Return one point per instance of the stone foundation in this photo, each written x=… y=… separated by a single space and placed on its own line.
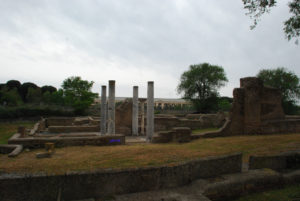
x=73 y=129
x=177 y=134
x=62 y=141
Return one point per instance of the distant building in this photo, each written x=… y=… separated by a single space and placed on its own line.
x=158 y=102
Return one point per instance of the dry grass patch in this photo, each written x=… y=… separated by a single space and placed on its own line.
x=7 y=129
x=89 y=158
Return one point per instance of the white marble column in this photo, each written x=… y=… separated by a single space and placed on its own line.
x=142 y=118
x=135 y=111
x=150 y=111
x=111 y=107
x=103 y=110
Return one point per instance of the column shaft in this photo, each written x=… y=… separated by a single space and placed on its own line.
x=150 y=111
x=111 y=107
x=142 y=118
x=103 y=110
x=135 y=111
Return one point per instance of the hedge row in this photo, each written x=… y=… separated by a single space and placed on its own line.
x=33 y=111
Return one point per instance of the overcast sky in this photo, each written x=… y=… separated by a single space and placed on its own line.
x=135 y=41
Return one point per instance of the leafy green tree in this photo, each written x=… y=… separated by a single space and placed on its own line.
x=224 y=104
x=48 y=88
x=256 y=8
x=24 y=89
x=200 y=84
x=34 y=95
x=10 y=97
x=13 y=84
x=57 y=97
x=287 y=82
x=77 y=93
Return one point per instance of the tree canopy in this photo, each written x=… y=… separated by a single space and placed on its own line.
x=256 y=8
x=286 y=81
x=201 y=83
x=77 y=93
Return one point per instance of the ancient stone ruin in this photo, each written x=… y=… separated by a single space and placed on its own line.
x=257 y=109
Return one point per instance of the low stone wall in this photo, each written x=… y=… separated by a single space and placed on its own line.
x=177 y=134
x=12 y=150
x=33 y=142
x=288 y=160
x=164 y=123
x=73 y=129
x=232 y=187
x=74 y=186
x=281 y=126
x=59 y=121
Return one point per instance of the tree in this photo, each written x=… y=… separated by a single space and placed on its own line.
x=200 y=85
x=13 y=84
x=10 y=97
x=48 y=88
x=34 y=95
x=24 y=89
x=287 y=82
x=57 y=97
x=256 y=8
x=77 y=93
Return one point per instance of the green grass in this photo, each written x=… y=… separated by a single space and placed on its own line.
x=290 y=193
x=7 y=129
x=197 y=131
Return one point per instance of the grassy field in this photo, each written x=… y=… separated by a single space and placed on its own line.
x=7 y=129
x=197 y=131
x=140 y=155
x=291 y=193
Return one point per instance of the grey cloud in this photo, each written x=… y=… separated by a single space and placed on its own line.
x=161 y=36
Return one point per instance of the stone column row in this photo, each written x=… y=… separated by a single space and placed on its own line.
x=135 y=111
x=111 y=109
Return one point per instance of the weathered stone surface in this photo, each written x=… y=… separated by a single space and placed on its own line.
x=150 y=111
x=257 y=110
x=234 y=186
x=161 y=139
x=12 y=150
x=35 y=129
x=111 y=129
x=177 y=134
x=78 y=121
x=72 y=129
x=22 y=131
x=288 y=160
x=135 y=111
x=124 y=118
x=59 y=121
x=181 y=134
x=31 y=142
x=103 y=110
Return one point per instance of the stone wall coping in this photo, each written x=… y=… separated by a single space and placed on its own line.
x=12 y=149
x=57 y=137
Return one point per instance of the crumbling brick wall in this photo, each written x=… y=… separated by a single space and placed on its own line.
x=254 y=107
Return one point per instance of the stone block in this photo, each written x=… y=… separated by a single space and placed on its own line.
x=160 y=139
x=73 y=129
